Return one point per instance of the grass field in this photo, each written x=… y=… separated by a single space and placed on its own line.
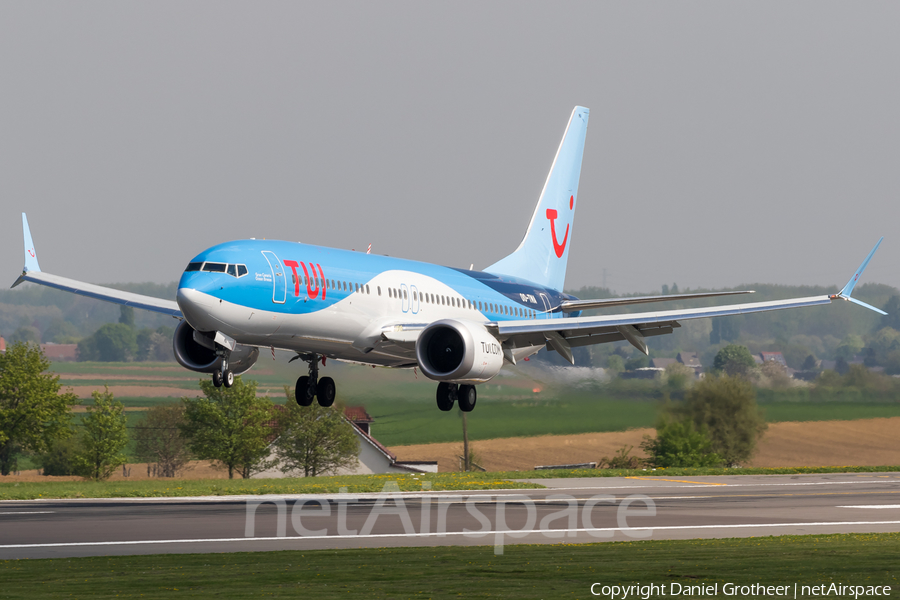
x=173 y=488
x=558 y=571
x=509 y=406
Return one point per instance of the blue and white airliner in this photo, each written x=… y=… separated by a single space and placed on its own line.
x=458 y=326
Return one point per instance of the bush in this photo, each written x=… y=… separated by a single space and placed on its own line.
x=59 y=459
x=726 y=408
x=621 y=460
x=680 y=444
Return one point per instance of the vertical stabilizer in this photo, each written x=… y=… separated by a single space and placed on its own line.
x=544 y=252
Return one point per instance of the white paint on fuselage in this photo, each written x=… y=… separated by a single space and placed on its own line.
x=332 y=330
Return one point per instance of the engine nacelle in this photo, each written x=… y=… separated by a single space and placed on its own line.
x=195 y=356
x=458 y=351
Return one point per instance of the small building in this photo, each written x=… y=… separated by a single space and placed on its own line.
x=60 y=352
x=2 y=344
x=776 y=356
x=690 y=359
x=662 y=363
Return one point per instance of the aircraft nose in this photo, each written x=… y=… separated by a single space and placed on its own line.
x=196 y=307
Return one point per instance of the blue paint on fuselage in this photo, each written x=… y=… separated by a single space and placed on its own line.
x=255 y=289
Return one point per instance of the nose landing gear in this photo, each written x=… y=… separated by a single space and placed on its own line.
x=224 y=376
x=310 y=387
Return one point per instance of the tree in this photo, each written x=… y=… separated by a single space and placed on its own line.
x=228 y=425
x=113 y=342
x=615 y=364
x=724 y=330
x=154 y=345
x=159 y=439
x=126 y=316
x=892 y=308
x=314 y=440
x=726 y=407
x=734 y=359
x=680 y=444
x=27 y=335
x=104 y=438
x=61 y=332
x=33 y=414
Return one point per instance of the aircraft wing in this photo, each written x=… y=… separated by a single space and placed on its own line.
x=32 y=272
x=564 y=334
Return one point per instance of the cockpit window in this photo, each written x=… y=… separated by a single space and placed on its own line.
x=214 y=267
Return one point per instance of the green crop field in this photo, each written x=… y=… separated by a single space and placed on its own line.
x=516 y=405
x=525 y=571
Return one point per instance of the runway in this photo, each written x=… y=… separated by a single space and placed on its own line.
x=569 y=510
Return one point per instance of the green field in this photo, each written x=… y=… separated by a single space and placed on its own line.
x=527 y=571
x=171 y=488
x=405 y=412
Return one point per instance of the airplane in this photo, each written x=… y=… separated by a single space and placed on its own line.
x=458 y=326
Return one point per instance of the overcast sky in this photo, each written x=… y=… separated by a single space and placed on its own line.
x=728 y=143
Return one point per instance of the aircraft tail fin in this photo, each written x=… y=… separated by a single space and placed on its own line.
x=544 y=252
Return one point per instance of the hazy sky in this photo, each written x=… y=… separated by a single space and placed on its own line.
x=728 y=142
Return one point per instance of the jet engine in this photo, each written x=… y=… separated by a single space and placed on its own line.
x=458 y=351
x=200 y=355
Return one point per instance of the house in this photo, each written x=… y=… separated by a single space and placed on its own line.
x=776 y=356
x=662 y=363
x=689 y=359
x=373 y=458
x=60 y=352
x=2 y=344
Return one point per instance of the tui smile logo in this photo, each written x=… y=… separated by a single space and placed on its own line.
x=559 y=248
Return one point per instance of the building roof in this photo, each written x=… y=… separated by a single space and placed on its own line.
x=357 y=414
x=776 y=356
x=662 y=363
x=689 y=359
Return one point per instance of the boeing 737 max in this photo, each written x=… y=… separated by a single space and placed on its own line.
x=458 y=326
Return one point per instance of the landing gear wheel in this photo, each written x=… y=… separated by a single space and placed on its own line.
x=446 y=395
x=228 y=378
x=325 y=391
x=467 y=397
x=217 y=378
x=301 y=392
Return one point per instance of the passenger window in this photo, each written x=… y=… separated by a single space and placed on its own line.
x=194 y=266
x=379 y=290
x=367 y=289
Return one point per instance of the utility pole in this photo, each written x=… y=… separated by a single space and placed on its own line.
x=465 y=445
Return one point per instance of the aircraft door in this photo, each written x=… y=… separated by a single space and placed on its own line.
x=414 y=299
x=279 y=285
x=405 y=297
x=546 y=300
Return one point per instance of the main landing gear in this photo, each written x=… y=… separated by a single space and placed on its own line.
x=450 y=393
x=310 y=387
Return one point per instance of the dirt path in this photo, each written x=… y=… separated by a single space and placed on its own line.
x=866 y=442
x=131 y=391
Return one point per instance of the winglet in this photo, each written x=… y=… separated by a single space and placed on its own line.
x=31 y=261
x=844 y=294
